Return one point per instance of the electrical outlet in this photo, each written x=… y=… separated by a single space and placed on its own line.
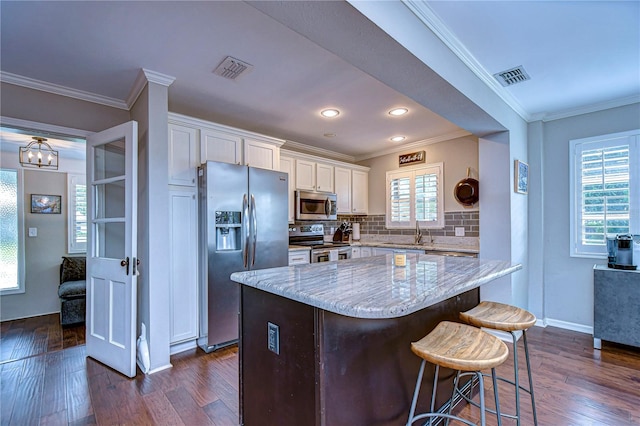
x=273 y=336
x=459 y=231
x=33 y=232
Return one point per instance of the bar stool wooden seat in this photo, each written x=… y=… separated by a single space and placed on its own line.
x=463 y=348
x=499 y=316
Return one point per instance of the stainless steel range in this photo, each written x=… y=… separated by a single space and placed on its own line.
x=313 y=236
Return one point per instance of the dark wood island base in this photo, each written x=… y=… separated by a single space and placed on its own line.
x=333 y=369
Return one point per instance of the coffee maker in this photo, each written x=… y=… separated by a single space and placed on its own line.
x=620 y=251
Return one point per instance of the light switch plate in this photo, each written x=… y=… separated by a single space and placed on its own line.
x=33 y=232
x=459 y=231
x=273 y=336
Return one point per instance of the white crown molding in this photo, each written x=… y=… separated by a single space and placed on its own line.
x=405 y=147
x=587 y=109
x=147 y=76
x=300 y=147
x=435 y=24
x=56 y=89
x=44 y=127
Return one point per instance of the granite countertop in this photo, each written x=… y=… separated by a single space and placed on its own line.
x=373 y=287
x=299 y=248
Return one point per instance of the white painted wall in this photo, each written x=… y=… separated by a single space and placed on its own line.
x=151 y=112
x=568 y=281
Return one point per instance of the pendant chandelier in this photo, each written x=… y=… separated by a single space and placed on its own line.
x=39 y=154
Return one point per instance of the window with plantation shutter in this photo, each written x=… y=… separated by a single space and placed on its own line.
x=77 y=213
x=415 y=195
x=604 y=191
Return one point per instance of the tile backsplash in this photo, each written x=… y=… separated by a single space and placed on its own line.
x=375 y=225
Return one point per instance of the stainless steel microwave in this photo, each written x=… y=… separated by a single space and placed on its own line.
x=316 y=206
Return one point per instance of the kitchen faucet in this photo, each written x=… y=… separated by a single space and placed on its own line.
x=418 y=236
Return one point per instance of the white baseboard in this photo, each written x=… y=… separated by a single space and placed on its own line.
x=580 y=328
x=183 y=346
x=29 y=316
x=161 y=368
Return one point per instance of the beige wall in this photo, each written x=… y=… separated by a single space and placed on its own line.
x=457 y=155
x=42 y=253
x=42 y=107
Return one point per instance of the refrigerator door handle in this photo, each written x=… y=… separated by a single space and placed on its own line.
x=245 y=229
x=254 y=219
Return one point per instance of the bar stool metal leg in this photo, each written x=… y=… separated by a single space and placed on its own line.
x=526 y=354
x=516 y=378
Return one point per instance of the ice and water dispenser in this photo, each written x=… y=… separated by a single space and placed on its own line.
x=228 y=231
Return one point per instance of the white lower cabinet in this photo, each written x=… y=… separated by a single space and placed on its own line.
x=366 y=252
x=183 y=268
x=355 y=253
x=298 y=257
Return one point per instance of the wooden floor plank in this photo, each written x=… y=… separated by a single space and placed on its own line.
x=161 y=410
x=54 y=393
x=575 y=384
x=78 y=399
x=187 y=409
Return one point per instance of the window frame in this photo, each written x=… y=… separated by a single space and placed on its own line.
x=576 y=147
x=73 y=180
x=412 y=172
x=20 y=287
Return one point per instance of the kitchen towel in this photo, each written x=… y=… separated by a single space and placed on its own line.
x=355 y=235
x=333 y=255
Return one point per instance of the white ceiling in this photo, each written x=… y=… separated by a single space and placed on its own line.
x=580 y=55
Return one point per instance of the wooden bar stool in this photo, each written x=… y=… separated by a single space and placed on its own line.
x=463 y=348
x=498 y=316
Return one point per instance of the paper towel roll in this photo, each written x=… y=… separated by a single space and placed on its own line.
x=355 y=235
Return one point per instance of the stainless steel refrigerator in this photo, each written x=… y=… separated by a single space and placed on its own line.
x=243 y=226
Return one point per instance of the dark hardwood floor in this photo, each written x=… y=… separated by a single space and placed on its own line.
x=55 y=384
x=35 y=336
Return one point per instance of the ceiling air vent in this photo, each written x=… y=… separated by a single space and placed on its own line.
x=232 y=68
x=513 y=76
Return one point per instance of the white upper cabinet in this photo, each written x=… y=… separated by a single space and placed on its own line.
x=349 y=181
x=343 y=189
x=324 y=177
x=229 y=145
x=182 y=155
x=288 y=165
x=359 y=192
x=305 y=175
x=261 y=154
x=313 y=176
x=220 y=146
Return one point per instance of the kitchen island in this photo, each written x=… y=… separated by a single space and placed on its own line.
x=329 y=343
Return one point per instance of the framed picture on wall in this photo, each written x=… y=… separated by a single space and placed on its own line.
x=521 y=177
x=46 y=204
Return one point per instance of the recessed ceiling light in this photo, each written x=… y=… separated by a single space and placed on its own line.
x=398 y=111
x=330 y=113
x=329 y=135
x=397 y=138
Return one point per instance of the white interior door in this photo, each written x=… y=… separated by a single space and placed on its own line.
x=112 y=159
